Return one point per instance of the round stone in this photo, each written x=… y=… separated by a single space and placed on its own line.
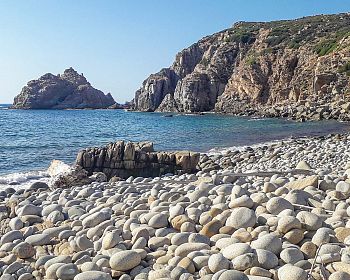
x=241 y=217
x=268 y=242
x=288 y=223
x=235 y=250
x=93 y=275
x=39 y=239
x=339 y=275
x=125 y=260
x=24 y=250
x=290 y=272
x=159 y=220
x=309 y=221
x=277 y=204
x=233 y=275
x=67 y=271
x=266 y=259
x=291 y=255
x=218 y=262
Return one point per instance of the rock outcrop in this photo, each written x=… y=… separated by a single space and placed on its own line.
x=67 y=91
x=125 y=159
x=295 y=68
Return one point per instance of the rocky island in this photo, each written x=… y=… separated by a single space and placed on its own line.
x=69 y=90
x=289 y=68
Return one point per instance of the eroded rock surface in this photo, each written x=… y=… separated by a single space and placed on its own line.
x=69 y=90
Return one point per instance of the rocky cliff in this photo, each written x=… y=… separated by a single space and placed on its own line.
x=296 y=68
x=67 y=91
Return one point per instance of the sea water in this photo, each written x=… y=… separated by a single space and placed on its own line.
x=31 y=139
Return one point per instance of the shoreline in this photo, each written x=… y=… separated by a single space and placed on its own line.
x=25 y=178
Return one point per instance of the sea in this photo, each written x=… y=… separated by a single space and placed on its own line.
x=31 y=139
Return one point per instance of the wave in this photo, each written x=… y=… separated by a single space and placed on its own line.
x=22 y=180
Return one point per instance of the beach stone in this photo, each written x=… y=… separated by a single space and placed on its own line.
x=11 y=236
x=341 y=233
x=6 y=276
x=309 y=249
x=211 y=228
x=218 y=262
x=291 y=255
x=39 y=185
x=343 y=187
x=290 y=272
x=110 y=240
x=178 y=221
x=303 y=165
x=339 y=266
x=294 y=236
x=258 y=271
x=243 y=201
x=288 y=223
x=266 y=259
x=158 y=221
x=187 y=264
x=84 y=243
x=93 y=275
x=16 y=223
x=322 y=236
x=268 y=242
x=339 y=275
x=235 y=250
x=30 y=209
x=51 y=208
x=184 y=249
x=94 y=219
x=26 y=276
x=303 y=183
x=13 y=267
x=241 y=217
x=89 y=266
x=233 y=275
x=67 y=271
x=245 y=261
x=309 y=221
x=276 y=205
x=51 y=270
x=24 y=250
x=125 y=260
x=38 y=239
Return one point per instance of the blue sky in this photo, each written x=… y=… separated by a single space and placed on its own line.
x=118 y=43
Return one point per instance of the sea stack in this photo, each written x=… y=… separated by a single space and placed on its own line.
x=69 y=90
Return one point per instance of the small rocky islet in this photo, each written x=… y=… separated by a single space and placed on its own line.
x=278 y=211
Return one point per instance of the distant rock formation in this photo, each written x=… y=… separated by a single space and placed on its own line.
x=300 y=67
x=124 y=159
x=67 y=91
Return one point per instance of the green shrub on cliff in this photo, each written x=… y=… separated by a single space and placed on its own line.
x=326 y=47
x=345 y=68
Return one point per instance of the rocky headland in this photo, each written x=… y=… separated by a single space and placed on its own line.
x=278 y=211
x=298 y=69
x=69 y=90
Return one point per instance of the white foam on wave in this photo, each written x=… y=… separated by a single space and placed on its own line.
x=22 y=180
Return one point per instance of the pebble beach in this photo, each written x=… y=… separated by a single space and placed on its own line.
x=277 y=211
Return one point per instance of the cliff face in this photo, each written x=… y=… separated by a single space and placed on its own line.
x=67 y=91
x=253 y=66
